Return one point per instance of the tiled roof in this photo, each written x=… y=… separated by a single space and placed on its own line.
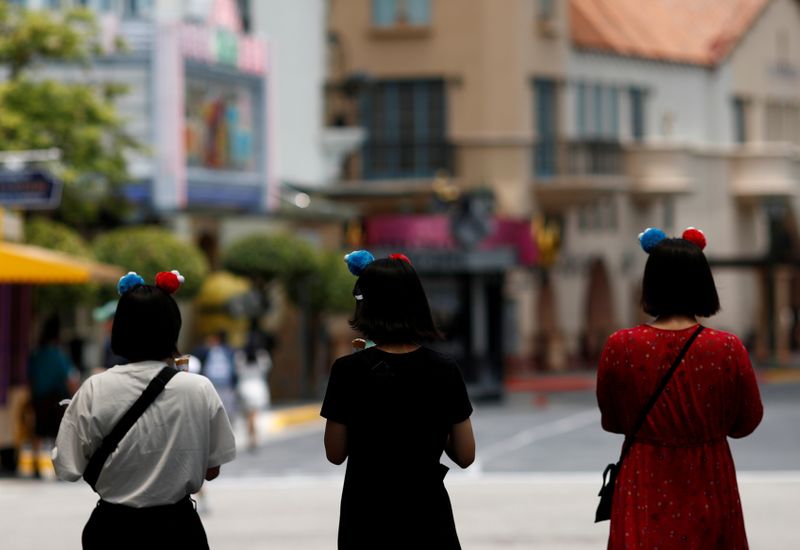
x=700 y=32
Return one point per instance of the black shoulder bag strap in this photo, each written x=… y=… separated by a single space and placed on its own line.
x=110 y=442
x=610 y=473
x=659 y=390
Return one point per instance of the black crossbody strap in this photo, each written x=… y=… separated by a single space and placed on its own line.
x=659 y=390
x=110 y=442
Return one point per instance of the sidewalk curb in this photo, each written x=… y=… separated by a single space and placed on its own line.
x=294 y=416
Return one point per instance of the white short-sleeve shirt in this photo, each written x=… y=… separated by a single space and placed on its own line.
x=165 y=454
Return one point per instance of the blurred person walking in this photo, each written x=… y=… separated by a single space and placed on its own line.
x=676 y=482
x=253 y=364
x=142 y=434
x=218 y=364
x=52 y=377
x=391 y=411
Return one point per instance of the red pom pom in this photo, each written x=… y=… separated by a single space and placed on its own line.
x=695 y=236
x=400 y=257
x=168 y=282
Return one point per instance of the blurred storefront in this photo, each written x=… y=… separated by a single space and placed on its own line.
x=21 y=268
x=463 y=258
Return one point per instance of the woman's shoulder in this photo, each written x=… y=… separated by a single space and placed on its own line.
x=723 y=338
x=624 y=335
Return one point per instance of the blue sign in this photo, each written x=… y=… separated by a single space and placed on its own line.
x=30 y=189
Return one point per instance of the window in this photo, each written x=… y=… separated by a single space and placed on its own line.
x=597 y=112
x=783 y=122
x=388 y=13
x=545 y=110
x=546 y=9
x=739 y=120
x=244 y=14
x=406 y=128
x=637 y=113
x=137 y=9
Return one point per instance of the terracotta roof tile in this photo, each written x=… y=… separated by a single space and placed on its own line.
x=700 y=32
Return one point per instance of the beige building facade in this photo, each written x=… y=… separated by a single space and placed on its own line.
x=592 y=139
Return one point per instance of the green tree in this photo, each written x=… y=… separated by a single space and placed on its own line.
x=79 y=118
x=148 y=250
x=264 y=257
x=312 y=278
x=56 y=236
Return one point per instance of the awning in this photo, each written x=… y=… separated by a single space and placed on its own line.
x=32 y=265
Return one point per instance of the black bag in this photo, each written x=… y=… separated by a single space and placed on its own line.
x=606 y=493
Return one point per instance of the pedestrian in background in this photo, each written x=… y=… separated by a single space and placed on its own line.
x=676 y=487
x=391 y=411
x=51 y=377
x=253 y=364
x=219 y=365
x=173 y=444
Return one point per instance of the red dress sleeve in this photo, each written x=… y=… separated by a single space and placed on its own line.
x=607 y=384
x=748 y=399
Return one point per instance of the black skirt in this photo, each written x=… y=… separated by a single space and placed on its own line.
x=396 y=511
x=154 y=528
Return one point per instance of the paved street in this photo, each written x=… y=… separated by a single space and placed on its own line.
x=563 y=435
x=534 y=485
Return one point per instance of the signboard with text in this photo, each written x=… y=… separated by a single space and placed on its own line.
x=29 y=189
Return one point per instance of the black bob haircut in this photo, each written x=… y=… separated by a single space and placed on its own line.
x=146 y=325
x=678 y=281
x=393 y=308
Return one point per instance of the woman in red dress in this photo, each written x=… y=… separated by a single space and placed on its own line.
x=676 y=488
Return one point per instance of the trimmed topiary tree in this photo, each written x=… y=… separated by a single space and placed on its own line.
x=56 y=236
x=148 y=250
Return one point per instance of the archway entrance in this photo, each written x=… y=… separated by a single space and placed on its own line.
x=599 y=314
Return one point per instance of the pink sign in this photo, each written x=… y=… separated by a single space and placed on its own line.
x=432 y=231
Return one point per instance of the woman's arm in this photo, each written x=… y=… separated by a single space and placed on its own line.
x=460 y=445
x=335 y=441
x=608 y=389
x=750 y=410
x=212 y=473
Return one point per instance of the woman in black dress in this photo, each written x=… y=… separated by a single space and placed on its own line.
x=392 y=410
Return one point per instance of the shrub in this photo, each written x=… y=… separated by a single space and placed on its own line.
x=148 y=250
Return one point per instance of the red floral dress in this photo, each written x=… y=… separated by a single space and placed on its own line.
x=677 y=486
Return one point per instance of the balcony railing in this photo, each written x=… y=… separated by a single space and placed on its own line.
x=578 y=158
x=406 y=159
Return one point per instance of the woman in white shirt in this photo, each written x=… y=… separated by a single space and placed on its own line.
x=181 y=439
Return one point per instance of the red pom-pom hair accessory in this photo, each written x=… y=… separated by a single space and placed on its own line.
x=694 y=236
x=399 y=256
x=169 y=281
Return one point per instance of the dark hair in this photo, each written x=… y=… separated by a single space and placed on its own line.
x=678 y=281
x=393 y=308
x=146 y=325
x=50 y=332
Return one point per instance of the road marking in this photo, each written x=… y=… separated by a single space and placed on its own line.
x=537 y=433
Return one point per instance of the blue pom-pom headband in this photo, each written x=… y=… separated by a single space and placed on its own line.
x=652 y=237
x=358 y=260
x=129 y=282
x=168 y=281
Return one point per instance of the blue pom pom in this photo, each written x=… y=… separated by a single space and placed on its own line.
x=358 y=260
x=127 y=282
x=650 y=238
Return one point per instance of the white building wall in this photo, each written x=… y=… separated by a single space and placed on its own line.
x=296 y=34
x=684 y=103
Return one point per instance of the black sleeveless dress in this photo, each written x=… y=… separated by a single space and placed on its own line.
x=398 y=409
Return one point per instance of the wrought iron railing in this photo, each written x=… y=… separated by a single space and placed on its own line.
x=578 y=158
